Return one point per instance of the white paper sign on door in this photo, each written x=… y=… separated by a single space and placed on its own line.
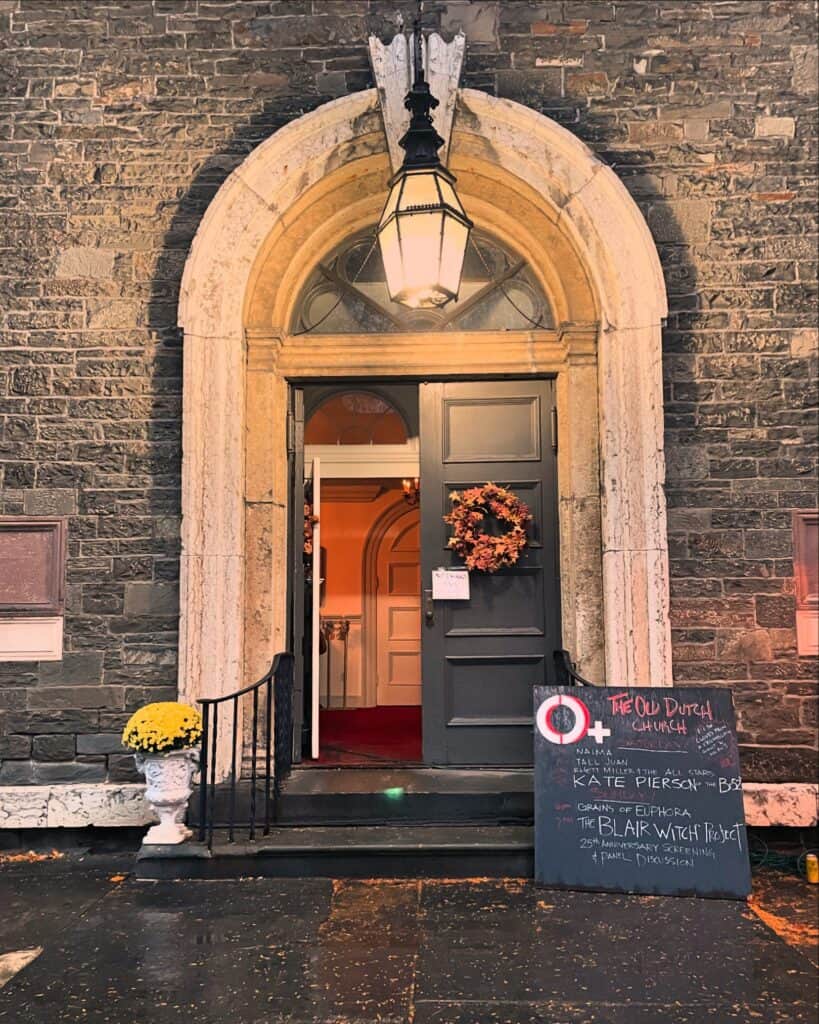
x=450 y=585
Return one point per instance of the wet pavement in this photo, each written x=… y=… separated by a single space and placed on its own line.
x=316 y=951
x=790 y=907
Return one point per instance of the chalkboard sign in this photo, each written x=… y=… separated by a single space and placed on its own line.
x=638 y=790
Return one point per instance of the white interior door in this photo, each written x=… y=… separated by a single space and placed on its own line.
x=398 y=619
x=315 y=663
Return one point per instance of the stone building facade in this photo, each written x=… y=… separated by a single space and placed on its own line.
x=120 y=121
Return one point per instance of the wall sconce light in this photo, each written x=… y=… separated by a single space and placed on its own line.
x=412 y=491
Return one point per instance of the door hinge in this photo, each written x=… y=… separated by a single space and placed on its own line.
x=554 y=429
x=291 y=433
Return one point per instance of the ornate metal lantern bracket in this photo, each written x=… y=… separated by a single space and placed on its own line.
x=394 y=69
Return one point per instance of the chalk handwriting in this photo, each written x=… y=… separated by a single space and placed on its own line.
x=658 y=807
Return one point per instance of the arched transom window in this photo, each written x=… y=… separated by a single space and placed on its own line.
x=355 y=417
x=347 y=293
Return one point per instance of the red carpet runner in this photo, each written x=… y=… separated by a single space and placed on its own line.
x=366 y=736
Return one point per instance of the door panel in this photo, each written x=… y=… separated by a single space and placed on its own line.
x=404 y=623
x=405 y=671
x=482 y=657
x=490 y=430
x=404 y=578
x=503 y=604
x=514 y=676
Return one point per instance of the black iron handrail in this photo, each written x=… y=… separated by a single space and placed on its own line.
x=567 y=674
x=276 y=737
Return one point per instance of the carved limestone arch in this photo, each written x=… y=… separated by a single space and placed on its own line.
x=534 y=184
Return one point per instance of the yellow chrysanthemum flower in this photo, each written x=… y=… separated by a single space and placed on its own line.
x=162 y=727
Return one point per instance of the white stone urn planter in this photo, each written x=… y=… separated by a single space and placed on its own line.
x=169 y=784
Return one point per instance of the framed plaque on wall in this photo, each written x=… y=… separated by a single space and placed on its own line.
x=32 y=587
x=32 y=566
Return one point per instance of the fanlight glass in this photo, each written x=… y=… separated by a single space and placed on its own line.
x=423 y=234
x=347 y=293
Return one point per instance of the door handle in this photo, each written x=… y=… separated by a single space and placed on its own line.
x=429 y=607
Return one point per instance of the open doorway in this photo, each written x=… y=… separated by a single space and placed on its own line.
x=363 y=574
x=480 y=652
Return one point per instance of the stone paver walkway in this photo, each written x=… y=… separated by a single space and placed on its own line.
x=318 y=951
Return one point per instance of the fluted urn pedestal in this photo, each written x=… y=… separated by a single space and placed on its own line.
x=169 y=784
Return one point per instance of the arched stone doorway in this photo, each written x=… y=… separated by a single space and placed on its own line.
x=528 y=181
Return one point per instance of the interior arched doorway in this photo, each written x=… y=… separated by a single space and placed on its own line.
x=530 y=182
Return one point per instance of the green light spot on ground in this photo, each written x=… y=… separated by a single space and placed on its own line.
x=394 y=792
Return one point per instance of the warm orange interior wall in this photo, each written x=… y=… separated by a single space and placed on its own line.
x=345 y=526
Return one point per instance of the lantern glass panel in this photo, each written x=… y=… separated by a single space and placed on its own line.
x=391 y=255
x=419 y=190
x=456 y=236
x=420 y=235
x=392 y=201
x=449 y=195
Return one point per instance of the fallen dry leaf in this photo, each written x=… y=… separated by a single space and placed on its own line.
x=795 y=933
x=29 y=857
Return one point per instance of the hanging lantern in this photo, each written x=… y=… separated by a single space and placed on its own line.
x=423 y=231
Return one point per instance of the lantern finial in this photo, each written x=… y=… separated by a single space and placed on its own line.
x=421 y=142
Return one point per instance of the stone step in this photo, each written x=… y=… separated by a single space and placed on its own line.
x=358 y=851
x=344 y=796
x=394 y=795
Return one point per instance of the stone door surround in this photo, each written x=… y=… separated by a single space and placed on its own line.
x=539 y=188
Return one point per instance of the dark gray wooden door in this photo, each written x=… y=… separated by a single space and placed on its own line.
x=482 y=657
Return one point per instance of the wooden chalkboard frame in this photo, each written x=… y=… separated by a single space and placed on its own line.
x=638 y=790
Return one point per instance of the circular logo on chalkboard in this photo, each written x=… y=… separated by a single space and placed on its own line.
x=543 y=718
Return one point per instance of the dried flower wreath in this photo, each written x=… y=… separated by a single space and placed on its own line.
x=481 y=550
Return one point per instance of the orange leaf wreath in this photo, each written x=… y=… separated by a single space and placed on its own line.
x=481 y=550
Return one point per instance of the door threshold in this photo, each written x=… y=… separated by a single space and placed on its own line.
x=412 y=765
x=366 y=766
x=411 y=778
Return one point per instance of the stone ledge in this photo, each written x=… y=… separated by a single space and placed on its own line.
x=74 y=806
x=792 y=804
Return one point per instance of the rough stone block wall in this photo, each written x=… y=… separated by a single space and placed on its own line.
x=119 y=121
